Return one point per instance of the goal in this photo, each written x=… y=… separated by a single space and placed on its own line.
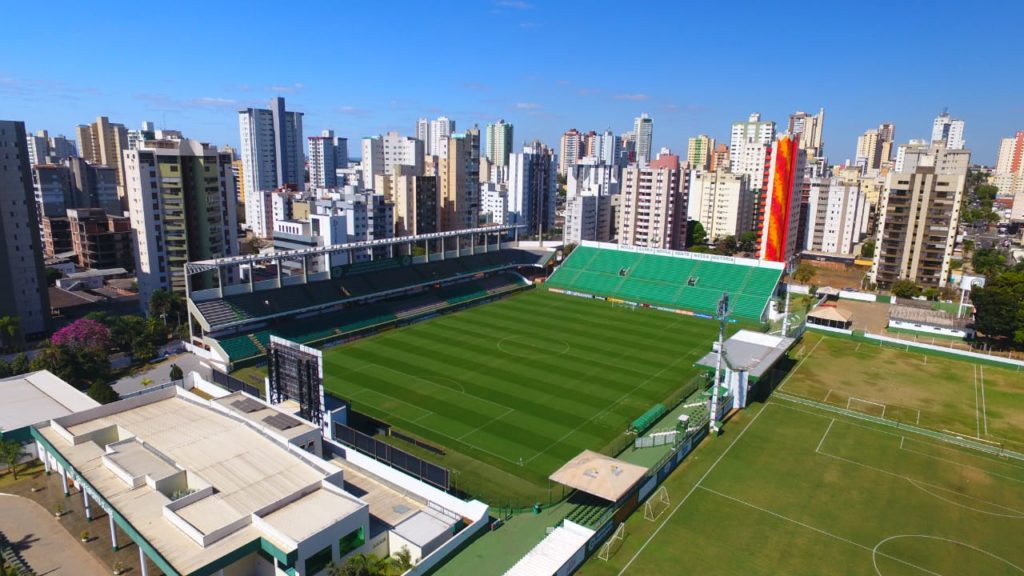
x=656 y=504
x=614 y=543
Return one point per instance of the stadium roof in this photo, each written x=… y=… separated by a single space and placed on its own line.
x=553 y=552
x=751 y=352
x=599 y=475
x=37 y=397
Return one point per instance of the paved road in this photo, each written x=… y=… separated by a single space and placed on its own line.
x=42 y=541
x=160 y=373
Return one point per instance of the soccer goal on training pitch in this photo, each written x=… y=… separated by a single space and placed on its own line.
x=656 y=504
x=613 y=544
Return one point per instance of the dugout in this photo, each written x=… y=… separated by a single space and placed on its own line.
x=751 y=360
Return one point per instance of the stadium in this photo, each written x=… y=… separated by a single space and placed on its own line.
x=464 y=350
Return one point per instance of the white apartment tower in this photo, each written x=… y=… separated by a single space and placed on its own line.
x=654 y=204
x=381 y=154
x=532 y=188
x=949 y=130
x=434 y=134
x=837 y=214
x=721 y=202
x=327 y=154
x=752 y=131
x=499 y=142
x=272 y=154
x=643 y=127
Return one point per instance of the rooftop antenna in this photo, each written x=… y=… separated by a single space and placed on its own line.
x=723 y=314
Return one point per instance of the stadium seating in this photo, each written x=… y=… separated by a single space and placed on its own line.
x=683 y=283
x=588 y=512
x=320 y=327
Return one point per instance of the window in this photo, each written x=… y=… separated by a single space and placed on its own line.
x=318 y=561
x=351 y=541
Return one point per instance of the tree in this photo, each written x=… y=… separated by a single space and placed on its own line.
x=726 y=245
x=52 y=275
x=102 y=392
x=143 y=349
x=695 y=234
x=77 y=366
x=989 y=261
x=10 y=452
x=804 y=273
x=19 y=364
x=124 y=330
x=867 y=250
x=931 y=294
x=176 y=372
x=82 y=333
x=10 y=331
x=748 y=241
x=160 y=303
x=968 y=247
x=999 y=307
x=905 y=289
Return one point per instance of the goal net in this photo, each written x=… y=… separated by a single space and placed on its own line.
x=656 y=504
x=613 y=544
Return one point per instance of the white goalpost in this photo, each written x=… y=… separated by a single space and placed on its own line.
x=656 y=504
x=614 y=543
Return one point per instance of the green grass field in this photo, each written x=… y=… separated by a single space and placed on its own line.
x=514 y=389
x=947 y=395
x=789 y=489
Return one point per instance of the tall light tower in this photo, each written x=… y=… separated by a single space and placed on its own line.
x=723 y=314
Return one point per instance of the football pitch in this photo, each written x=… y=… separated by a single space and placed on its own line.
x=791 y=489
x=972 y=400
x=513 y=389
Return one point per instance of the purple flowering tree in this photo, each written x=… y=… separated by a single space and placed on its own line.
x=81 y=334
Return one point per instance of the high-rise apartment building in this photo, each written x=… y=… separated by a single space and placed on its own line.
x=874 y=147
x=592 y=202
x=382 y=153
x=949 y=130
x=182 y=209
x=569 y=150
x=459 y=181
x=643 y=127
x=532 y=188
x=721 y=202
x=698 y=152
x=808 y=128
x=327 y=154
x=23 y=287
x=779 y=207
x=654 y=204
x=609 y=148
x=719 y=158
x=1008 y=175
x=918 y=216
x=499 y=143
x=417 y=210
x=52 y=186
x=434 y=134
x=837 y=215
x=272 y=154
x=100 y=240
x=103 y=142
x=887 y=138
x=752 y=131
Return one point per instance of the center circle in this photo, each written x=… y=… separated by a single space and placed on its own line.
x=969 y=549
x=532 y=346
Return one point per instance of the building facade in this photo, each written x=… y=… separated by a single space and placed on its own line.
x=698 y=152
x=643 y=127
x=182 y=209
x=779 y=207
x=272 y=154
x=104 y=143
x=382 y=153
x=809 y=128
x=949 y=130
x=570 y=147
x=499 y=143
x=837 y=215
x=918 y=217
x=752 y=131
x=327 y=154
x=721 y=202
x=532 y=189
x=654 y=204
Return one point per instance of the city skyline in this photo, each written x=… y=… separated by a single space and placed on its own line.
x=359 y=97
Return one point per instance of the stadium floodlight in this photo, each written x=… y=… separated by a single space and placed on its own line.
x=723 y=314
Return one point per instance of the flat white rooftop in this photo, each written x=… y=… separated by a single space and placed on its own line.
x=37 y=397
x=231 y=483
x=552 y=552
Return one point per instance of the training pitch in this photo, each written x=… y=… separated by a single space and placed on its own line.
x=513 y=389
x=790 y=489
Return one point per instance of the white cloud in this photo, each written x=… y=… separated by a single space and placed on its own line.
x=635 y=97
x=528 y=106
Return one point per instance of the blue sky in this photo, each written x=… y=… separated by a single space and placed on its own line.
x=362 y=68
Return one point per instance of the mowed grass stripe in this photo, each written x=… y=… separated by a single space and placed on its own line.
x=448 y=381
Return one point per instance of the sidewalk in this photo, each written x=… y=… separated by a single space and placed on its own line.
x=42 y=542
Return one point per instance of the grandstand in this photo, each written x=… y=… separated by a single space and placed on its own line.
x=679 y=281
x=233 y=322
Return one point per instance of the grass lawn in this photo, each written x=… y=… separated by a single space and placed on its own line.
x=957 y=396
x=789 y=489
x=514 y=389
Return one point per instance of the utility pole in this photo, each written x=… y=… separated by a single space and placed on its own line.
x=723 y=313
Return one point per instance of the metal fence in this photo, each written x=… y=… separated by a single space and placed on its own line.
x=234 y=384
x=395 y=457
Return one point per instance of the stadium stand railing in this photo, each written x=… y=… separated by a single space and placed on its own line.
x=322 y=328
x=668 y=281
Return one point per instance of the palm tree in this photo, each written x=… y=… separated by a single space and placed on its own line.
x=398 y=563
x=10 y=327
x=10 y=452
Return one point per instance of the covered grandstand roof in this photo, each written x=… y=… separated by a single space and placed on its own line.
x=552 y=552
x=599 y=475
x=830 y=314
x=752 y=352
x=669 y=278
